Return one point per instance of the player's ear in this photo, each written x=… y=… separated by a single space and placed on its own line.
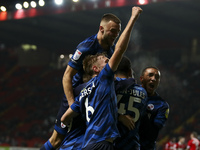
x=130 y=74
x=141 y=79
x=95 y=69
x=101 y=28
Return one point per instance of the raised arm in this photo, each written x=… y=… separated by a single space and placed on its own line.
x=123 y=41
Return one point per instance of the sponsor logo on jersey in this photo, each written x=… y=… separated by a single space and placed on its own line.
x=62 y=125
x=77 y=55
x=167 y=113
x=150 y=107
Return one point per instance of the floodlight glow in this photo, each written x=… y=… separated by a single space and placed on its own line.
x=62 y=56
x=2 y=8
x=58 y=2
x=143 y=2
x=41 y=3
x=26 y=4
x=18 y=6
x=33 y=4
x=75 y=1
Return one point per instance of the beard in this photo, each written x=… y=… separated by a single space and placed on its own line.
x=108 y=40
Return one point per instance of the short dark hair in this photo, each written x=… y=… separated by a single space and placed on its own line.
x=144 y=70
x=124 y=66
x=107 y=17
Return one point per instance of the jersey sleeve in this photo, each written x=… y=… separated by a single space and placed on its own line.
x=76 y=106
x=77 y=58
x=83 y=49
x=162 y=115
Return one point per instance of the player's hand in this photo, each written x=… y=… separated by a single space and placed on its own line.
x=136 y=11
x=127 y=121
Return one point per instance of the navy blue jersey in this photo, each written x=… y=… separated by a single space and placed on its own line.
x=131 y=101
x=156 y=115
x=98 y=104
x=74 y=137
x=76 y=129
x=89 y=46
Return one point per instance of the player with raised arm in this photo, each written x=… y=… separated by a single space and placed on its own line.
x=103 y=41
x=97 y=101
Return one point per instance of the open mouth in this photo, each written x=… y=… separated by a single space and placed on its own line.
x=151 y=85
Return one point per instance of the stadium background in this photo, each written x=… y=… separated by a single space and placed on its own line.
x=35 y=45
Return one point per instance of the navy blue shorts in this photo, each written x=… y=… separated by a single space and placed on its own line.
x=104 y=145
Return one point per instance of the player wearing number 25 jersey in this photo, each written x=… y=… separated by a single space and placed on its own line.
x=131 y=102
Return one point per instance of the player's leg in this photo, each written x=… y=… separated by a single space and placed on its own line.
x=54 y=141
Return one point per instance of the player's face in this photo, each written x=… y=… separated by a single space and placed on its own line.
x=150 y=80
x=182 y=140
x=111 y=32
x=101 y=62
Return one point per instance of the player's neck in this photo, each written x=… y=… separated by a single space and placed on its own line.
x=121 y=76
x=152 y=94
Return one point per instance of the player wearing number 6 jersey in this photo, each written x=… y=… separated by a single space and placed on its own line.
x=97 y=101
x=103 y=41
x=76 y=129
x=131 y=105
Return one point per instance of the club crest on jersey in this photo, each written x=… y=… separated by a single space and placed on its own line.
x=62 y=125
x=150 y=107
x=77 y=55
